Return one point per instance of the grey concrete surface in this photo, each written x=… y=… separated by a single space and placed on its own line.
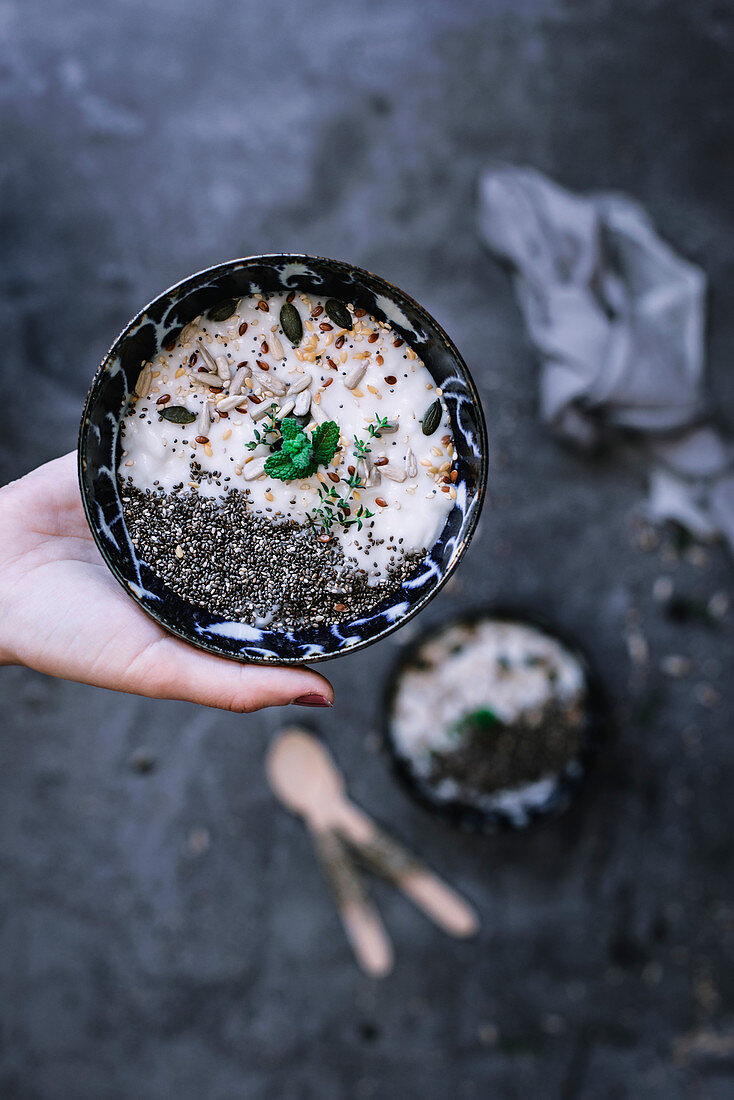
x=168 y=934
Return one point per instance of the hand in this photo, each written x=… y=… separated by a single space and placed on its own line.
x=62 y=612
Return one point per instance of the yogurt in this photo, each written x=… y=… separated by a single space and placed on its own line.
x=364 y=378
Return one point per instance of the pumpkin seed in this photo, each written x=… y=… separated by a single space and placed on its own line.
x=291 y=323
x=432 y=418
x=222 y=311
x=177 y=414
x=338 y=313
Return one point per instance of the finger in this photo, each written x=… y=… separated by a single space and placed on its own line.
x=170 y=669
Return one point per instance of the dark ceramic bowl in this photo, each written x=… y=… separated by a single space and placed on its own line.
x=160 y=323
x=565 y=783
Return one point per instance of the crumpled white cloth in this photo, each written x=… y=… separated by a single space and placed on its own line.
x=618 y=321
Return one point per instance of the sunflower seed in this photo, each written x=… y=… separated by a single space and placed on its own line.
x=208 y=358
x=338 y=313
x=254 y=469
x=143 y=384
x=177 y=414
x=287 y=406
x=432 y=418
x=238 y=381
x=207 y=379
x=393 y=472
x=204 y=422
x=276 y=347
x=268 y=381
x=261 y=410
x=302 y=403
x=368 y=472
x=411 y=466
x=301 y=382
x=223 y=310
x=318 y=414
x=223 y=369
x=188 y=331
x=391 y=426
x=355 y=376
x=226 y=404
x=291 y=323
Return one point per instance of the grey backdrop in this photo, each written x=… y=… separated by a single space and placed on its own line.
x=168 y=934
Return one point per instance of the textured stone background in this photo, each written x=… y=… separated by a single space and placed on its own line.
x=168 y=934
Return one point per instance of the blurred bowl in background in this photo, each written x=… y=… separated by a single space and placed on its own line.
x=491 y=719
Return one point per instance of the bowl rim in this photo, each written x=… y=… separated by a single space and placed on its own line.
x=462 y=815
x=483 y=444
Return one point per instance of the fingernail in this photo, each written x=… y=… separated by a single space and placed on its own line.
x=313 y=699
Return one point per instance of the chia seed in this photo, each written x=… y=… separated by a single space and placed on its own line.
x=275 y=573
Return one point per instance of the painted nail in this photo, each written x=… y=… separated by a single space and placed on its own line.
x=313 y=699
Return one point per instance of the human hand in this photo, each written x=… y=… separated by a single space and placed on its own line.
x=63 y=613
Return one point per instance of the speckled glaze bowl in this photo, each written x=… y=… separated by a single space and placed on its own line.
x=566 y=784
x=159 y=324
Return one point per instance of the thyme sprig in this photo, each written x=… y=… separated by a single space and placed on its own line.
x=333 y=508
x=270 y=427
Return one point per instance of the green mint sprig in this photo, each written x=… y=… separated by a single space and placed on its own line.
x=300 y=454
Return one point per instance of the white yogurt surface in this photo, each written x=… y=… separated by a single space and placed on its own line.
x=409 y=513
x=502 y=666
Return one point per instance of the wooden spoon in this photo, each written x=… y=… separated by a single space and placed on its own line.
x=305 y=777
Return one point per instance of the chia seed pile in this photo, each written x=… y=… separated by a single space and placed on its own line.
x=534 y=745
x=216 y=553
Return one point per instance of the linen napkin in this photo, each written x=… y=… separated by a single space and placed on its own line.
x=617 y=319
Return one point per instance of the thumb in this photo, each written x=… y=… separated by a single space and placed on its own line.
x=171 y=669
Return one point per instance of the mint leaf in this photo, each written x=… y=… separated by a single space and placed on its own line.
x=299 y=455
x=290 y=428
x=280 y=466
x=325 y=440
x=295 y=457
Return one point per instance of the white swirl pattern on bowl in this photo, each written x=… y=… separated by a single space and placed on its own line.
x=159 y=322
